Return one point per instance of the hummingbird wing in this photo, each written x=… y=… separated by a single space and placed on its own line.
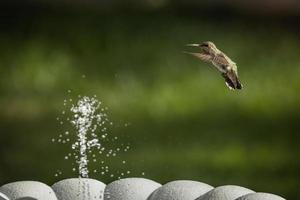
x=221 y=60
x=202 y=56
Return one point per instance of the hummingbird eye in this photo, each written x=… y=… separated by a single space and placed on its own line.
x=204 y=45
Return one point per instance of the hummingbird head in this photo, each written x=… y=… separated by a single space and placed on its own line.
x=208 y=47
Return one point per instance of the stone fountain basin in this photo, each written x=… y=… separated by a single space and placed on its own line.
x=127 y=189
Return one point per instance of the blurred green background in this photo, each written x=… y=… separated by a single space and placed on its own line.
x=183 y=123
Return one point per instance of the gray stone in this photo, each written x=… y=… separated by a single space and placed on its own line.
x=260 y=196
x=180 y=190
x=130 y=189
x=27 y=198
x=78 y=189
x=3 y=197
x=31 y=189
x=226 y=192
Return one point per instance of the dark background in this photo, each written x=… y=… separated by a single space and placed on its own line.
x=175 y=111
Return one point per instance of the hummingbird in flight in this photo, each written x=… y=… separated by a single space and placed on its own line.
x=228 y=69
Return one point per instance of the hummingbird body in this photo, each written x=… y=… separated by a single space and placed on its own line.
x=228 y=69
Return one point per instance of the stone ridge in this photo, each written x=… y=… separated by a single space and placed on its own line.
x=127 y=189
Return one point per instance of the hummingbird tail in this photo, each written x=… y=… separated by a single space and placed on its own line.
x=239 y=85
x=229 y=84
x=232 y=85
x=232 y=81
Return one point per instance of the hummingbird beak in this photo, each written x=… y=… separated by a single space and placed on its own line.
x=193 y=45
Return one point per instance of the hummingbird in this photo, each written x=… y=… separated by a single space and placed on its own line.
x=228 y=69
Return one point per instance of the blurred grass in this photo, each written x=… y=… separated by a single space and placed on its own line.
x=183 y=122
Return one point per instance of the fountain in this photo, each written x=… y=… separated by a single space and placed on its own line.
x=90 y=122
x=86 y=120
x=91 y=125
